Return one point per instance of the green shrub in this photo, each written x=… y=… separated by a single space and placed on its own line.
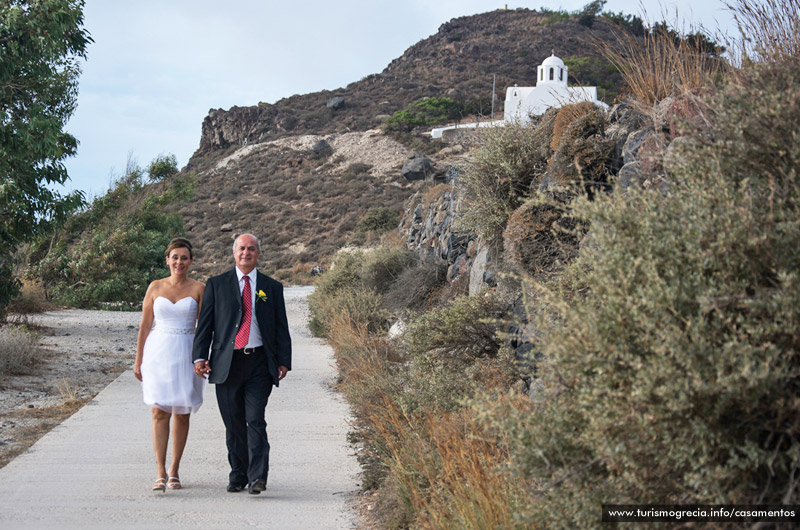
x=379 y=220
x=107 y=255
x=465 y=329
x=505 y=166
x=359 y=306
x=162 y=166
x=358 y=277
x=672 y=341
x=425 y=111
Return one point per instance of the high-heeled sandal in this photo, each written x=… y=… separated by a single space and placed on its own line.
x=160 y=484
x=174 y=483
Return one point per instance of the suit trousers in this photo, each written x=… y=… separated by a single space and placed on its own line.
x=242 y=400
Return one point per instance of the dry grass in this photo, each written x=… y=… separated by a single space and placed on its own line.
x=19 y=350
x=445 y=470
x=769 y=30
x=70 y=394
x=31 y=300
x=450 y=470
x=655 y=66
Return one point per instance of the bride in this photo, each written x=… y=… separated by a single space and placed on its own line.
x=164 y=358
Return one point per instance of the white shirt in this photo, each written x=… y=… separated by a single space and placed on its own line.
x=255 y=339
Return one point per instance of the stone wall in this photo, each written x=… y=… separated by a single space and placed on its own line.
x=428 y=225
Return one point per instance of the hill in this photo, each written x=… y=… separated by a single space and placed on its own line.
x=256 y=169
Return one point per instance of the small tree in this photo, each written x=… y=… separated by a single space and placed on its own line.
x=162 y=166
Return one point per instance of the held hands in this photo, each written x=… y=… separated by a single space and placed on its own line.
x=202 y=369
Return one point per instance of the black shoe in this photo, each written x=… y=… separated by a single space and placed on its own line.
x=234 y=487
x=257 y=487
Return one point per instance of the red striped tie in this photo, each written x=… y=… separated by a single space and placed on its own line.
x=243 y=335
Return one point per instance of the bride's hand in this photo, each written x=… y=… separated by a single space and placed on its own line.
x=137 y=371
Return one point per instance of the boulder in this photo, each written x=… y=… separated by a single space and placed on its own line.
x=480 y=271
x=335 y=103
x=321 y=147
x=227 y=227
x=630 y=151
x=631 y=174
x=627 y=117
x=417 y=168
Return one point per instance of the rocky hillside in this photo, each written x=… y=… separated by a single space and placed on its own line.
x=302 y=172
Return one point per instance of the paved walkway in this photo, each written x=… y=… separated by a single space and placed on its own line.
x=95 y=470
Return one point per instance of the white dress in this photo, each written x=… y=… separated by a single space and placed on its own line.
x=168 y=379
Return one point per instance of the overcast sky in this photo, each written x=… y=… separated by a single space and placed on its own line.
x=156 y=67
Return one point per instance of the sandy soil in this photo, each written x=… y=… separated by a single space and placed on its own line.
x=84 y=352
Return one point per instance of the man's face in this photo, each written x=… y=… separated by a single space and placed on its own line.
x=246 y=253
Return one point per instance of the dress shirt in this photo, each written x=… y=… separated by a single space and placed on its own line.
x=255 y=339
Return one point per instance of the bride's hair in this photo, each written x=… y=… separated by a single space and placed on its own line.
x=179 y=242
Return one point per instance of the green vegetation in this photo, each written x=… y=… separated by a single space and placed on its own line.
x=505 y=166
x=162 y=166
x=603 y=74
x=426 y=112
x=39 y=50
x=106 y=255
x=410 y=397
x=379 y=220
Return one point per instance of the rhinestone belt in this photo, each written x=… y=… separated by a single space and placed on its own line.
x=173 y=331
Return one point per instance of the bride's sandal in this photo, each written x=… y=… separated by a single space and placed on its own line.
x=174 y=483
x=160 y=484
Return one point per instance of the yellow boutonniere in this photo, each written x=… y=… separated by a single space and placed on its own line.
x=262 y=296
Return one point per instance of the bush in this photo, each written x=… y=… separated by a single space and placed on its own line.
x=107 y=255
x=508 y=162
x=425 y=111
x=379 y=220
x=162 y=166
x=466 y=329
x=415 y=286
x=358 y=306
x=19 y=350
x=672 y=341
x=540 y=237
x=354 y=286
x=582 y=152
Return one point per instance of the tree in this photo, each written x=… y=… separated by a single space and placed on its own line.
x=40 y=44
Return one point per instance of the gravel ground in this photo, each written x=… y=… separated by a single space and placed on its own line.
x=83 y=351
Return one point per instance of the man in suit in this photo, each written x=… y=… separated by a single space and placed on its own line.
x=243 y=321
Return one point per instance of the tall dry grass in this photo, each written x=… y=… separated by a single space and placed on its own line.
x=768 y=28
x=657 y=65
x=446 y=469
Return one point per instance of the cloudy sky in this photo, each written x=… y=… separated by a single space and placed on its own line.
x=156 y=67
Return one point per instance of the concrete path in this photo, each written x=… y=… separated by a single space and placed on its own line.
x=95 y=470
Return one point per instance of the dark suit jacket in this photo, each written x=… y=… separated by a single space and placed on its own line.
x=221 y=315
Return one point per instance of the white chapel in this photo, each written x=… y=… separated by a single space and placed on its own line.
x=551 y=90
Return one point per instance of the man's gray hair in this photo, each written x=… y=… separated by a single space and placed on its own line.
x=235 y=239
